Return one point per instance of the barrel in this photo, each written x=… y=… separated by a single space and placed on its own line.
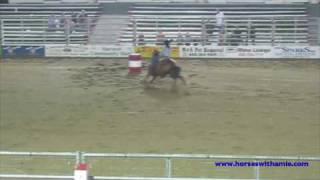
x=135 y=64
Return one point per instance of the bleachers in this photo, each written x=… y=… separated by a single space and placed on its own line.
x=273 y=24
x=28 y=23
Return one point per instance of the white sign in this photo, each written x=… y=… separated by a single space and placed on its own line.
x=202 y=51
x=248 y=52
x=87 y=51
x=80 y=175
x=296 y=52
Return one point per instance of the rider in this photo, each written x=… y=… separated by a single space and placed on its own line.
x=166 y=50
x=159 y=56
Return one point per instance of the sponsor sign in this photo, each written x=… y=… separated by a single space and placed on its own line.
x=296 y=52
x=202 y=51
x=87 y=51
x=146 y=51
x=23 y=51
x=248 y=52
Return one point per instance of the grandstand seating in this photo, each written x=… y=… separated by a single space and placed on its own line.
x=280 y=24
x=28 y=23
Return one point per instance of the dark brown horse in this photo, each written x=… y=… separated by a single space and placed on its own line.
x=164 y=68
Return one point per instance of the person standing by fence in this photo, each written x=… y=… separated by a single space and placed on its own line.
x=220 y=25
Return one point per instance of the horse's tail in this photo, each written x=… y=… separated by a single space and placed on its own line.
x=175 y=72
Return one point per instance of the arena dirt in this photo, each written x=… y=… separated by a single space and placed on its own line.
x=228 y=107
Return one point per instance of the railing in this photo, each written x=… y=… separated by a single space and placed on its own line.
x=237 y=31
x=197 y=30
x=167 y=158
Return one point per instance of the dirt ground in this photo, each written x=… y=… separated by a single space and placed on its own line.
x=247 y=107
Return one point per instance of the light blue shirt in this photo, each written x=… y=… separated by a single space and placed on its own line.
x=166 y=52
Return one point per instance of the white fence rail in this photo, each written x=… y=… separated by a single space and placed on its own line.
x=167 y=158
x=195 y=30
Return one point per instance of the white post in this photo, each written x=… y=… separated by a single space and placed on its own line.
x=273 y=26
x=249 y=32
x=203 y=32
x=68 y=33
x=295 y=30
x=88 y=29
x=134 y=32
x=168 y=167
x=257 y=172
x=2 y=31
x=81 y=171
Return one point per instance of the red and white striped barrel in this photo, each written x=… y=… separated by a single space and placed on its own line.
x=135 y=64
x=81 y=172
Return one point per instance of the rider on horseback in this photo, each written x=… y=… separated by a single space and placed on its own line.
x=159 y=56
x=162 y=65
x=166 y=51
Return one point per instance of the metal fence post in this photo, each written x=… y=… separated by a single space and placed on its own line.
x=295 y=30
x=134 y=32
x=78 y=157
x=249 y=32
x=203 y=33
x=318 y=30
x=272 y=31
x=257 y=171
x=2 y=32
x=168 y=167
x=88 y=29
x=68 y=32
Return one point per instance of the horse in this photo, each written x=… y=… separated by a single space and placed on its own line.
x=164 y=68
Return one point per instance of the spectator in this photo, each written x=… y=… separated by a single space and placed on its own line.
x=74 y=17
x=188 y=39
x=180 y=39
x=51 y=23
x=220 y=20
x=56 y=22
x=141 y=40
x=62 y=20
x=252 y=35
x=236 y=37
x=69 y=25
x=82 y=17
x=160 y=38
x=220 y=25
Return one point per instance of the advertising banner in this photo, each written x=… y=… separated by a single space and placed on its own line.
x=0 y=51
x=146 y=51
x=23 y=51
x=202 y=51
x=87 y=51
x=248 y=52
x=296 y=52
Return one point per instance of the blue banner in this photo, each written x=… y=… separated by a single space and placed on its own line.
x=23 y=51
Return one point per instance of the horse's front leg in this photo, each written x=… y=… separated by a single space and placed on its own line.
x=182 y=79
x=146 y=78
x=153 y=78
